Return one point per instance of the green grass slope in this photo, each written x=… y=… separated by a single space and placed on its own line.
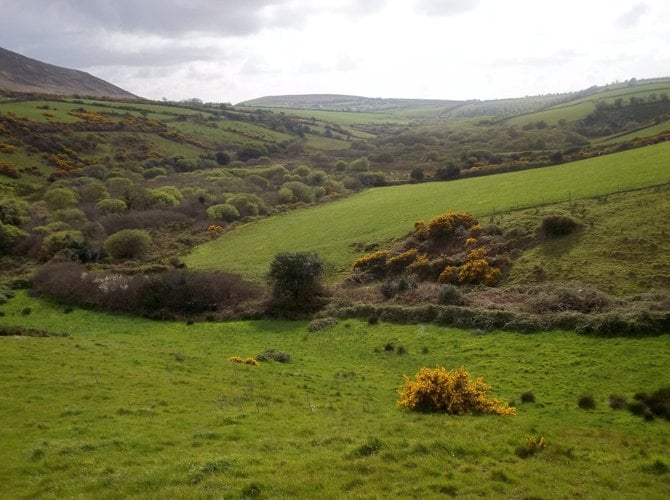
x=334 y=230
x=130 y=408
x=623 y=247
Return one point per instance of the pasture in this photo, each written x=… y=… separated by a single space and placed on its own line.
x=127 y=407
x=338 y=230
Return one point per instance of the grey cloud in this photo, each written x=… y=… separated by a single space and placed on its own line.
x=445 y=7
x=633 y=16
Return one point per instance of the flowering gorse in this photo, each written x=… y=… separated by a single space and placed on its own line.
x=452 y=392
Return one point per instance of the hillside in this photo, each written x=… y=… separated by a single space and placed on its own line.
x=23 y=74
x=336 y=102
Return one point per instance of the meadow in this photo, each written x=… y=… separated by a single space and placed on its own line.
x=131 y=408
x=338 y=230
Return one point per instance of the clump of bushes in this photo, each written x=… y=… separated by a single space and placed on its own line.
x=452 y=392
x=652 y=405
x=160 y=295
x=555 y=226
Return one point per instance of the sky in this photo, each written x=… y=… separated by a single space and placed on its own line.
x=235 y=50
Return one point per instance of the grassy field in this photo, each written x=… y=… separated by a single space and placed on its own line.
x=622 y=248
x=343 y=117
x=130 y=408
x=377 y=215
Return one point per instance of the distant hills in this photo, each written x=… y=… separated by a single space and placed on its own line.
x=340 y=102
x=23 y=74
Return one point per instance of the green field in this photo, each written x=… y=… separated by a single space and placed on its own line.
x=380 y=214
x=127 y=407
x=343 y=117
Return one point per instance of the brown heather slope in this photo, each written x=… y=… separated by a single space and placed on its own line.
x=22 y=74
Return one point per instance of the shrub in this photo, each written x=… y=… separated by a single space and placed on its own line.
x=112 y=206
x=373 y=263
x=224 y=211
x=245 y=361
x=586 y=402
x=527 y=397
x=656 y=404
x=370 y=447
x=450 y=295
x=445 y=225
x=128 y=244
x=10 y=236
x=60 y=198
x=557 y=298
x=554 y=226
x=532 y=447
x=321 y=324
x=452 y=392
x=273 y=355
x=617 y=402
x=301 y=191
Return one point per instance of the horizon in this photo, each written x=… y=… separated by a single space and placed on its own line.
x=463 y=50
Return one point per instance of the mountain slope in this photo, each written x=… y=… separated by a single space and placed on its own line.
x=22 y=74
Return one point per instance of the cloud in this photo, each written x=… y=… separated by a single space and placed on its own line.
x=445 y=8
x=633 y=16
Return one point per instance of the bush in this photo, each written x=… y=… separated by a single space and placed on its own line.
x=527 y=397
x=557 y=298
x=112 y=206
x=554 y=226
x=128 y=244
x=224 y=211
x=586 y=402
x=452 y=392
x=617 y=402
x=656 y=404
x=273 y=355
x=450 y=295
x=321 y=324
x=445 y=225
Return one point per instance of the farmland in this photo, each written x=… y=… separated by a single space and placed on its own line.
x=133 y=408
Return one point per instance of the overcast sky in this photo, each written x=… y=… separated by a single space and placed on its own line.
x=233 y=50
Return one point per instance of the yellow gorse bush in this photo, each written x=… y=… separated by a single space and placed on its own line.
x=452 y=392
x=445 y=225
x=246 y=361
x=475 y=270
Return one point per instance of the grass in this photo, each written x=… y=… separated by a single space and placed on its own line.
x=126 y=407
x=378 y=215
x=343 y=117
x=622 y=249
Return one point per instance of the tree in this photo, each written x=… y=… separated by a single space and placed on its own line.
x=296 y=279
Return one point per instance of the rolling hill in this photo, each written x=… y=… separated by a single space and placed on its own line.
x=23 y=74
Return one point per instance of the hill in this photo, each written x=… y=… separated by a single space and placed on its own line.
x=23 y=74
x=338 y=102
